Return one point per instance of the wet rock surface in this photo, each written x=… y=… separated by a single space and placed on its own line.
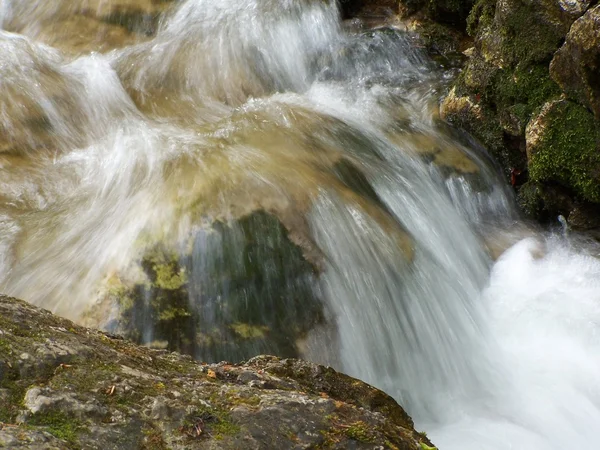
x=529 y=60
x=82 y=26
x=230 y=291
x=63 y=386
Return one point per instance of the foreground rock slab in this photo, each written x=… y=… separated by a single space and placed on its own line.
x=63 y=386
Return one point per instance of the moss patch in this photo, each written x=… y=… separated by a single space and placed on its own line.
x=569 y=151
x=481 y=16
x=523 y=90
x=210 y=421
x=527 y=36
x=360 y=431
x=246 y=331
x=59 y=424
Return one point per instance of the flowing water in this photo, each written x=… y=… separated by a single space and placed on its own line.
x=187 y=124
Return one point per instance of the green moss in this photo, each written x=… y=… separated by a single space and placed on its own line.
x=527 y=38
x=218 y=422
x=225 y=428
x=481 y=16
x=153 y=440
x=568 y=151
x=78 y=379
x=10 y=408
x=5 y=346
x=253 y=400
x=360 y=431
x=173 y=313
x=504 y=99
x=524 y=89
x=59 y=424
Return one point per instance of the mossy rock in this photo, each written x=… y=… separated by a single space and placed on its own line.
x=576 y=66
x=481 y=16
x=528 y=35
x=507 y=74
x=544 y=202
x=228 y=292
x=563 y=146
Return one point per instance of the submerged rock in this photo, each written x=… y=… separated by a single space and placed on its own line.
x=229 y=291
x=82 y=26
x=63 y=386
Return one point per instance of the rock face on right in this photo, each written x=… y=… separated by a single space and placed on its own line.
x=530 y=92
x=576 y=65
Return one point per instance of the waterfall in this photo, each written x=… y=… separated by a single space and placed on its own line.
x=273 y=180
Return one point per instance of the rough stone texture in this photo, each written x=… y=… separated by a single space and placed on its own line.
x=505 y=93
x=67 y=387
x=563 y=148
x=576 y=65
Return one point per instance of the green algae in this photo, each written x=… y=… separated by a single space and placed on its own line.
x=360 y=431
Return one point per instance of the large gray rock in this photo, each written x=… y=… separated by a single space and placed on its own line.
x=63 y=386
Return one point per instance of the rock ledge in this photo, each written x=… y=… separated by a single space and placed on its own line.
x=63 y=386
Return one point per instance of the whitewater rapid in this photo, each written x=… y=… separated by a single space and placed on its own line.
x=484 y=327
x=542 y=307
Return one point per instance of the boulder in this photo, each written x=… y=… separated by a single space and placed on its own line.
x=576 y=65
x=563 y=146
x=228 y=291
x=63 y=386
